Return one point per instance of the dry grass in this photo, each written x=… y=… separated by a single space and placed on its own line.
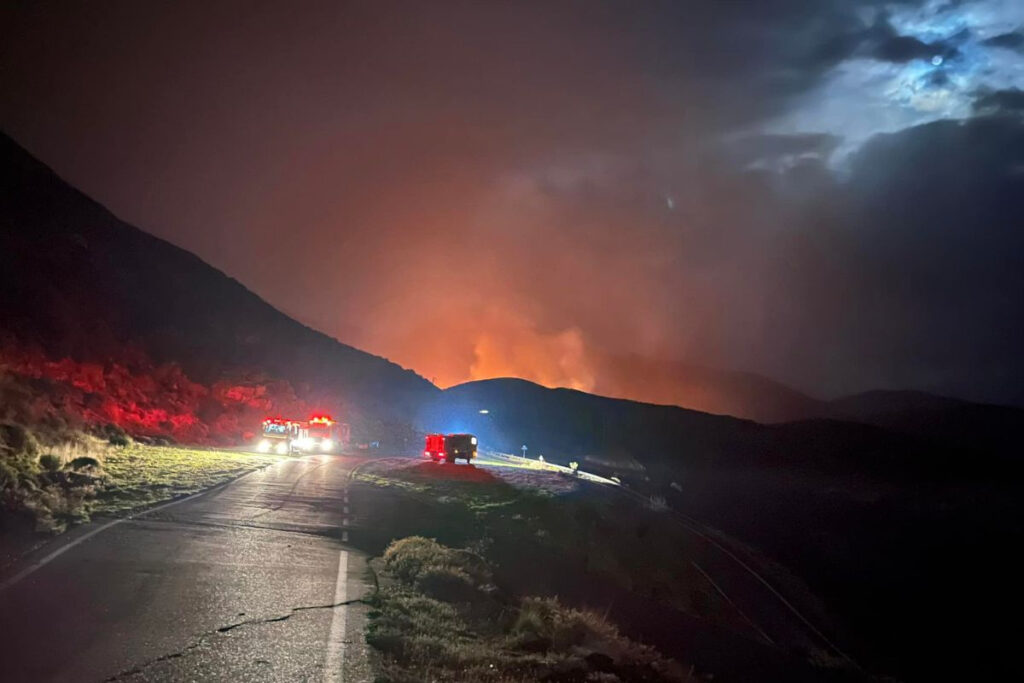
x=137 y=475
x=597 y=535
x=50 y=480
x=478 y=633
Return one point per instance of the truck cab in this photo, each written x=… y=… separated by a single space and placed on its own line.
x=321 y=434
x=449 y=447
x=278 y=436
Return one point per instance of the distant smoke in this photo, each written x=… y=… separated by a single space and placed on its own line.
x=518 y=349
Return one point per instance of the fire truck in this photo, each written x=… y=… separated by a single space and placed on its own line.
x=318 y=434
x=321 y=434
x=448 y=447
x=278 y=435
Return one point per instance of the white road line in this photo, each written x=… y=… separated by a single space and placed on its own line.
x=336 y=640
x=344 y=537
x=85 y=537
x=346 y=510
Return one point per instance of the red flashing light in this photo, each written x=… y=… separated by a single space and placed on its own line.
x=321 y=420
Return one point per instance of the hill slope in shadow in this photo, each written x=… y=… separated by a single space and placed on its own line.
x=78 y=282
x=886 y=525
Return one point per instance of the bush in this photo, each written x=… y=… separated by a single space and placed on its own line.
x=84 y=462
x=34 y=492
x=8 y=475
x=407 y=557
x=563 y=627
x=119 y=440
x=447 y=584
x=410 y=557
x=114 y=435
x=49 y=462
x=16 y=440
x=427 y=625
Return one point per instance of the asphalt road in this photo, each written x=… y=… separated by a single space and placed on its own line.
x=246 y=582
x=257 y=581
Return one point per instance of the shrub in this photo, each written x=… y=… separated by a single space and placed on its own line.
x=34 y=491
x=410 y=557
x=84 y=462
x=429 y=626
x=561 y=626
x=119 y=440
x=8 y=476
x=447 y=584
x=407 y=557
x=16 y=440
x=49 y=462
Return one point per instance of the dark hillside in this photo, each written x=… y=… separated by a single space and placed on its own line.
x=564 y=424
x=906 y=538
x=973 y=427
x=77 y=282
x=710 y=390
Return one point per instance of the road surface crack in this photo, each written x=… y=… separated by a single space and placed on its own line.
x=286 y=617
x=203 y=638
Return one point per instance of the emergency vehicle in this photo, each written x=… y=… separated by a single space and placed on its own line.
x=278 y=435
x=448 y=447
x=321 y=434
x=318 y=434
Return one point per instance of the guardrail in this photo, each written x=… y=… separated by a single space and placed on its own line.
x=550 y=467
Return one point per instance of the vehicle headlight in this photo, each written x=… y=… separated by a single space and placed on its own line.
x=282 y=449
x=327 y=445
x=263 y=446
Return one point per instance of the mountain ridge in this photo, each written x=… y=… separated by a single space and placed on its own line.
x=80 y=282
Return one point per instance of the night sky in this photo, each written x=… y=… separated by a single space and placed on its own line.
x=827 y=192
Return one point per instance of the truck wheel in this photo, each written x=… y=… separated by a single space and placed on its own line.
x=450 y=459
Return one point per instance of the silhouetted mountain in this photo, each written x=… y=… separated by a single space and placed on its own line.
x=710 y=390
x=76 y=281
x=565 y=424
x=871 y=404
x=948 y=421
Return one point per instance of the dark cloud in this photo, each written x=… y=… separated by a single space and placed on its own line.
x=930 y=260
x=1013 y=40
x=903 y=49
x=998 y=101
x=882 y=41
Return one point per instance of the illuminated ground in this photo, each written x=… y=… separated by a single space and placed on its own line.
x=139 y=475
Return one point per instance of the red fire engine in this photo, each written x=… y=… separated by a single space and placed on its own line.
x=277 y=436
x=319 y=434
x=448 y=447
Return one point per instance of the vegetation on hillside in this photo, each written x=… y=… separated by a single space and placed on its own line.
x=44 y=488
x=136 y=396
x=564 y=544
x=50 y=480
x=439 y=616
